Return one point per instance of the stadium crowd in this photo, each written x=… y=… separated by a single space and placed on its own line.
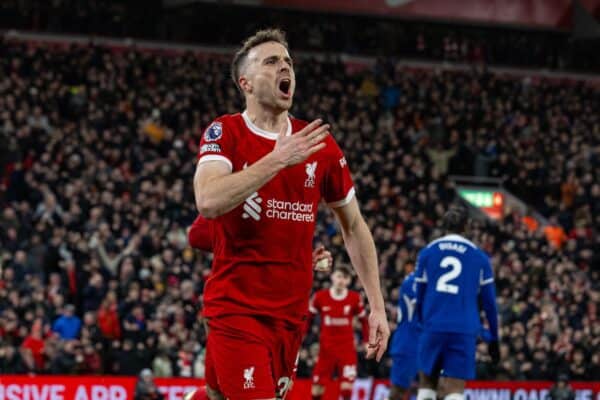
x=98 y=151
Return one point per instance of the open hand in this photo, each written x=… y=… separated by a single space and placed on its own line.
x=379 y=334
x=294 y=149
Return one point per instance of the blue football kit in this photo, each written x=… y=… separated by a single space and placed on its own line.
x=403 y=347
x=452 y=278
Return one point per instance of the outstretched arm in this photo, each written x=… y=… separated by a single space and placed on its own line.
x=361 y=249
x=488 y=302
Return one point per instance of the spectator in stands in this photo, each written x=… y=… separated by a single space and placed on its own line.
x=132 y=358
x=108 y=318
x=68 y=324
x=10 y=360
x=162 y=365
x=94 y=292
x=92 y=362
x=35 y=344
x=146 y=389
x=65 y=362
x=561 y=389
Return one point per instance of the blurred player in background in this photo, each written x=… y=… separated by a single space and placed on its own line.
x=403 y=348
x=337 y=307
x=452 y=277
x=261 y=176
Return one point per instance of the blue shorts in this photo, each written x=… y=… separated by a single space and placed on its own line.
x=447 y=354
x=404 y=370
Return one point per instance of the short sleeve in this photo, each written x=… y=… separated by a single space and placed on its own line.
x=360 y=307
x=314 y=306
x=337 y=188
x=420 y=270
x=216 y=144
x=486 y=275
x=409 y=288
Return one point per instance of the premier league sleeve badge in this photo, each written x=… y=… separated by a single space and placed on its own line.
x=213 y=132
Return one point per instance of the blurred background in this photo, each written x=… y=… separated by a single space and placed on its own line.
x=102 y=105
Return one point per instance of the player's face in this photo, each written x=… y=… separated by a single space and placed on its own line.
x=269 y=76
x=339 y=280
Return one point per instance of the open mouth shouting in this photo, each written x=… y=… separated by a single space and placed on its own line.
x=285 y=87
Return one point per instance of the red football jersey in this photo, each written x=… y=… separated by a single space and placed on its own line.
x=337 y=315
x=263 y=248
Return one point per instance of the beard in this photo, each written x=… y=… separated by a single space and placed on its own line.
x=270 y=97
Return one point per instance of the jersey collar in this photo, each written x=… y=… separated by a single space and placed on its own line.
x=454 y=238
x=261 y=132
x=337 y=296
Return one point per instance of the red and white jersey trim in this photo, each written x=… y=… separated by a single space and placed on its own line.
x=261 y=132
x=344 y=201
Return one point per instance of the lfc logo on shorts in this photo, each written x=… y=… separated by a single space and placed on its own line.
x=249 y=378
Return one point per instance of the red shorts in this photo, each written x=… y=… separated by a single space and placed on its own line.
x=340 y=361
x=250 y=358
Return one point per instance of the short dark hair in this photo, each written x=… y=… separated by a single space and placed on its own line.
x=344 y=269
x=455 y=219
x=260 y=37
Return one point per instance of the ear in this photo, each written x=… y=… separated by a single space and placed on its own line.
x=245 y=84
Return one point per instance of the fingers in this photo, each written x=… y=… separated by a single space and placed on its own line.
x=318 y=134
x=314 y=149
x=378 y=339
x=384 y=336
x=318 y=250
x=310 y=127
x=373 y=333
x=321 y=259
x=381 y=350
x=371 y=352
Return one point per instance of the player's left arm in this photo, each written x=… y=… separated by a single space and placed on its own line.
x=421 y=285
x=361 y=249
x=487 y=296
x=313 y=310
x=361 y=313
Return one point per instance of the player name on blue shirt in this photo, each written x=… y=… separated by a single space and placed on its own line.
x=452 y=275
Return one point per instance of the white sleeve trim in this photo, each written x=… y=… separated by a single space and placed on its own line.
x=216 y=157
x=344 y=201
x=422 y=279
x=410 y=306
x=482 y=281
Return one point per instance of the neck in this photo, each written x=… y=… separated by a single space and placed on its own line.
x=269 y=119
x=339 y=290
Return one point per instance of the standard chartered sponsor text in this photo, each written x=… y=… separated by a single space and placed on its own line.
x=290 y=211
